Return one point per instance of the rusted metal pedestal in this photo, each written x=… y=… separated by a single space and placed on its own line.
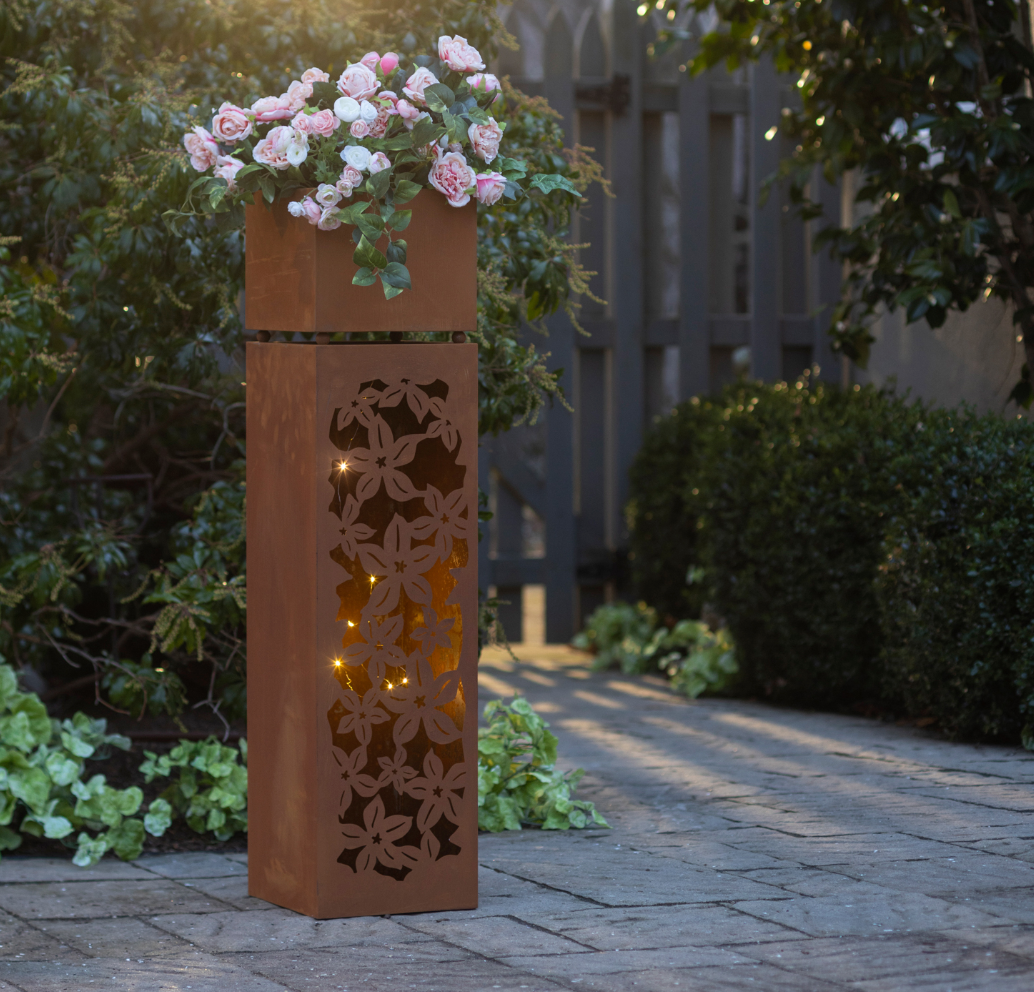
x=362 y=627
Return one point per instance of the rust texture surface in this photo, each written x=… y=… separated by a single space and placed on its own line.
x=387 y=575
x=281 y=536
x=298 y=278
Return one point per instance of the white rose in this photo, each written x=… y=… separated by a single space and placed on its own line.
x=367 y=112
x=298 y=151
x=356 y=156
x=295 y=209
x=327 y=195
x=346 y=109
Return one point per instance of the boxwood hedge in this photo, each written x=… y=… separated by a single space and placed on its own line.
x=864 y=549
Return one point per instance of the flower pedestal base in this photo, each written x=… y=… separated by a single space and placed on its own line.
x=362 y=627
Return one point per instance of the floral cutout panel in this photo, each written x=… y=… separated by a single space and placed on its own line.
x=406 y=527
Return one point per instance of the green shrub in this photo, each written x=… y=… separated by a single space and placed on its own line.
x=663 y=535
x=617 y=634
x=785 y=495
x=957 y=586
x=517 y=781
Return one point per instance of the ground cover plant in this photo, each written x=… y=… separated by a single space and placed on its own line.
x=122 y=563
x=518 y=783
x=696 y=658
x=861 y=548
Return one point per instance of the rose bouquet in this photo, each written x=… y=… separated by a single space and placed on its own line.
x=355 y=151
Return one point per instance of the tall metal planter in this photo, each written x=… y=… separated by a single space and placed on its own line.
x=362 y=611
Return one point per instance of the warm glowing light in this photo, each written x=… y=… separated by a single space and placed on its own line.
x=390 y=686
x=342 y=466
x=350 y=624
x=373 y=579
x=405 y=681
x=337 y=662
x=162 y=669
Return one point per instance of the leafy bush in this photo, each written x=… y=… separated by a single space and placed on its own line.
x=42 y=764
x=210 y=787
x=617 y=633
x=694 y=657
x=517 y=781
x=663 y=533
x=956 y=589
x=787 y=497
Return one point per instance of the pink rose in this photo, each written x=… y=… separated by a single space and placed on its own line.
x=379 y=162
x=379 y=127
x=407 y=112
x=315 y=75
x=458 y=55
x=271 y=108
x=231 y=123
x=202 y=148
x=329 y=220
x=389 y=96
x=272 y=149
x=227 y=167
x=358 y=81
x=324 y=123
x=417 y=83
x=307 y=208
x=350 y=178
x=485 y=82
x=389 y=63
x=359 y=129
x=302 y=122
x=485 y=139
x=490 y=187
x=296 y=95
x=453 y=178
x=370 y=60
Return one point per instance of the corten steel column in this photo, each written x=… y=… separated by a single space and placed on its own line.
x=362 y=626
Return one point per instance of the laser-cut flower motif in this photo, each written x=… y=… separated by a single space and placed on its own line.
x=444 y=427
x=395 y=771
x=378 y=838
x=435 y=634
x=381 y=461
x=440 y=791
x=378 y=649
x=396 y=566
x=350 y=530
x=360 y=409
x=361 y=715
x=352 y=777
x=444 y=522
x=417 y=700
x=419 y=402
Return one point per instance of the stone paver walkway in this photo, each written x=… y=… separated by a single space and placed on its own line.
x=752 y=848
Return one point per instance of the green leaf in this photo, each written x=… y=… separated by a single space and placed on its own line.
x=439 y=97
x=367 y=256
x=398 y=142
x=399 y=220
x=406 y=190
x=390 y=292
x=365 y=276
x=550 y=182
x=425 y=131
x=397 y=275
x=396 y=251
x=90 y=850
x=377 y=184
x=951 y=204
x=371 y=226
x=158 y=818
x=127 y=839
x=324 y=95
